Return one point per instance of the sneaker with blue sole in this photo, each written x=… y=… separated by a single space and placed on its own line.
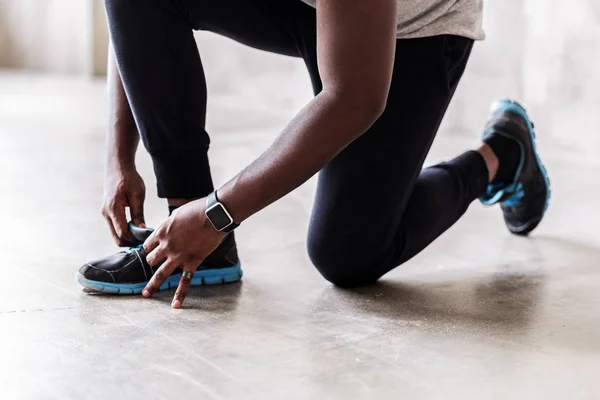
x=525 y=199
x=127 y=272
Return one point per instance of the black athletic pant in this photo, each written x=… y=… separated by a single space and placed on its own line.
x=375 y=207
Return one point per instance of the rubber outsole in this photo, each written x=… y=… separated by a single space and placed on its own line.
x=201 y=277
x=526 y=228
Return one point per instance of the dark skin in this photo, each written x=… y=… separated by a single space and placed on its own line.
x=355 y=46
x=123 y=187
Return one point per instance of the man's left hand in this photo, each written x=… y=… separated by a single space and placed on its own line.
x=184 y=240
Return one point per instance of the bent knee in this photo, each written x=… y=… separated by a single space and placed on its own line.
x=112 y=4
x=341 y=266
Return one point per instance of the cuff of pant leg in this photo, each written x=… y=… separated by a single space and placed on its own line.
x=473 y=172
x=474 y=166
x=182 y=175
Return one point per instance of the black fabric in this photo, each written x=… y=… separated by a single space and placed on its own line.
x=508 y=153
x=375 y=207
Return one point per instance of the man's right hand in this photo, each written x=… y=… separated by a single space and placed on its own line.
x=123 y=188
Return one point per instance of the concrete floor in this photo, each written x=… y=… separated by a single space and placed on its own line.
x=479 y=315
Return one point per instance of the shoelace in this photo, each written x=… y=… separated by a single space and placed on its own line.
x=515 y=199
x=514 y=191
x=132 y=249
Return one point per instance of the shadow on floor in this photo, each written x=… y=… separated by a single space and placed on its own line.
x=216 y=299
x=505 y=300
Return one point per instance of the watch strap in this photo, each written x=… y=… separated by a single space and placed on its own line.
x=211 y=200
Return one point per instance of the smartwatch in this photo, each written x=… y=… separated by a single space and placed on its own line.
x=218 y=215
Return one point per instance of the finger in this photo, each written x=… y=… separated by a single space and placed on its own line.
x=119 y=221
x=120 y=242
x=156 y=256
x=159 y=277
x=151 y=243
x=136 y=207
x=184 y=286
x=112 y=230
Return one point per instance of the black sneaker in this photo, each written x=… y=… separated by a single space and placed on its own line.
x=524 y=201
x=127 y=272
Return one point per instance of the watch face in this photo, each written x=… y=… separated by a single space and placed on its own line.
x=219 y=217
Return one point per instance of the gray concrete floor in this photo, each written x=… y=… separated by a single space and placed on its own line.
x=479 y=315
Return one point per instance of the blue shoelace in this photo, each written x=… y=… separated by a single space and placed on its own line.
x=516 y=192
x=515 y=199
x=138 y=247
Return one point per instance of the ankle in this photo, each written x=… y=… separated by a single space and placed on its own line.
x=174 y=204
x=507 y=154
x=180 y=202
x=491 y=160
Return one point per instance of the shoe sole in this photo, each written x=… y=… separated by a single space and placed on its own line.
x=201 y=277
x=516 y=108
x=526 y=228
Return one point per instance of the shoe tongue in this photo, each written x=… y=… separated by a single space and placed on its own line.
x=140 y=234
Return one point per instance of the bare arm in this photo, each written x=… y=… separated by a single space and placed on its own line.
x=123 y=187
x=356 y=47
x=122 y=138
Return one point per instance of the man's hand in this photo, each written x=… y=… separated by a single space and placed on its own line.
x=123 y=188
x=184 y=240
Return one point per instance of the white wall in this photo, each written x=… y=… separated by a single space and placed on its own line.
x=562 y=70
x=52 y=35
x=545 y=53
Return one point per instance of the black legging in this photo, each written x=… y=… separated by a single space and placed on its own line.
x=375 y=206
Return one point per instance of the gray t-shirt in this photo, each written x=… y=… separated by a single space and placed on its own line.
x=422 y=18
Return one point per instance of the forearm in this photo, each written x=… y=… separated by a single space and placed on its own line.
x=122 y=137
x=356 y=42
x=318 y=133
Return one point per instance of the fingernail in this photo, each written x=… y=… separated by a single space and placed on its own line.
x=146 y=293
x=176 y=304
